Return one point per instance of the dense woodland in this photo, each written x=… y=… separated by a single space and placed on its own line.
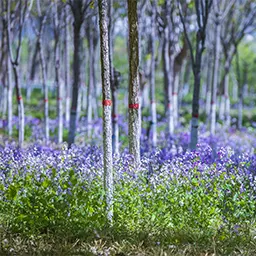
x=144 y=112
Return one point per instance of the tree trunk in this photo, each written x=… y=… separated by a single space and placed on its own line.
x=15 y=64
x=168 y=76
x=58 y=83
x=21 y=114
x=9 y=96
x=195 y=108
x=134 y=135
x=208 y=87
x=152 y=76
x=106 y=92
x=215 y=75
x=78 y=20
x=34 y=62
x=91 y=81
x=115 y=131
x=67 y=66
x=45 y=87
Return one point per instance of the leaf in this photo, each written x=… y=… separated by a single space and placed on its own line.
x=12 y=192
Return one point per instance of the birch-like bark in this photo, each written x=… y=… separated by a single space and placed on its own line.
x=168 y=81
x=134 y=124
x=215 y=72
x=106 y=93
x=58 y=83
x=67 y=65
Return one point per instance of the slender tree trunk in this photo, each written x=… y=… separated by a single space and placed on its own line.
x=34 y=62
x=76 y=70
x=134 y=135
x=45 y=87
x=21 y=114
x=106 y=92
x=226 y=114
x=91 y=81
x=15 y=64
x=165 y=73
x=58 y=83
x=9 y=97
x=39 y=47
x=152 y=76
x=94 y=89
x=168 y=81
x=215 y=75
x=67 y=66
x=115 y=131
x=195 y=108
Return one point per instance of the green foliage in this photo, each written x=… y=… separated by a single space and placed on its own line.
x=178 y=211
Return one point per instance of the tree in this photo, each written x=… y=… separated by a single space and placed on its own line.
x=8 y=68
x=202 y=14
x=106 y=102
x=236 y=26
x=67 y=65
x=152 y=75
x=114 y=83
x=23 y=10
x=42 y=19
x=79 y=8
x=92 y=38
x=58 y=83
x=220 y=12
x=134 y=136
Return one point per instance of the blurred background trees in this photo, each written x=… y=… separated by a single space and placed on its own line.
x=197 y=68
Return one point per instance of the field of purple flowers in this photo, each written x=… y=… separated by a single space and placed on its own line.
x=206 y=197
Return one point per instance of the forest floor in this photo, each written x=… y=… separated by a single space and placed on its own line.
x=100 y=247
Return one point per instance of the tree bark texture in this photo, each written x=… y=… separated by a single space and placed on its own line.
x=106 y=93
x=134 y=124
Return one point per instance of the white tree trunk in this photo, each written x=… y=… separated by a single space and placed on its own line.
x=67 y=66
x=9 y=98
x=107 y=125
x=215 y=74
